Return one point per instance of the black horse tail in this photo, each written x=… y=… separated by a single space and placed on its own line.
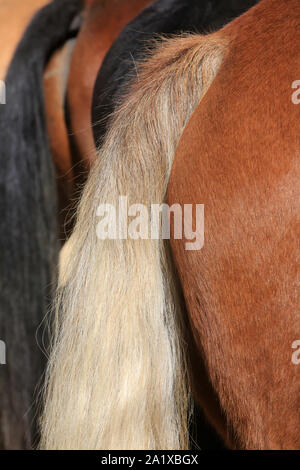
x=28 y=229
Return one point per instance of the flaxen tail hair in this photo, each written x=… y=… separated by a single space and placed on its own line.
x=117 y=375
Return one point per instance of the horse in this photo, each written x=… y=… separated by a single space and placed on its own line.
x=34 y=119
x=99 y=74
x=161 y=18
x=104 y=22
x=119 y=375
x=68 y=83
x=29 y=230
x=13 y=26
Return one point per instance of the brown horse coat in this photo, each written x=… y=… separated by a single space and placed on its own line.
x=104 y=21
x=71 y=74
x=15 y=16
x=239 y=156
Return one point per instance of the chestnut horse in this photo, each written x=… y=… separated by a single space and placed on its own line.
x=239 y=156
x=120 y=374
x=162 y=17
x=70 y=105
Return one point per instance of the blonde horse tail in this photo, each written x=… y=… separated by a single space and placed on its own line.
x=117 y=376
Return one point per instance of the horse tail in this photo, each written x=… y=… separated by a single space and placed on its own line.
x=117 y=376
x=28 y=236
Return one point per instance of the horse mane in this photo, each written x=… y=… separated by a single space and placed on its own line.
x=28 y=235
x=117 y=372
